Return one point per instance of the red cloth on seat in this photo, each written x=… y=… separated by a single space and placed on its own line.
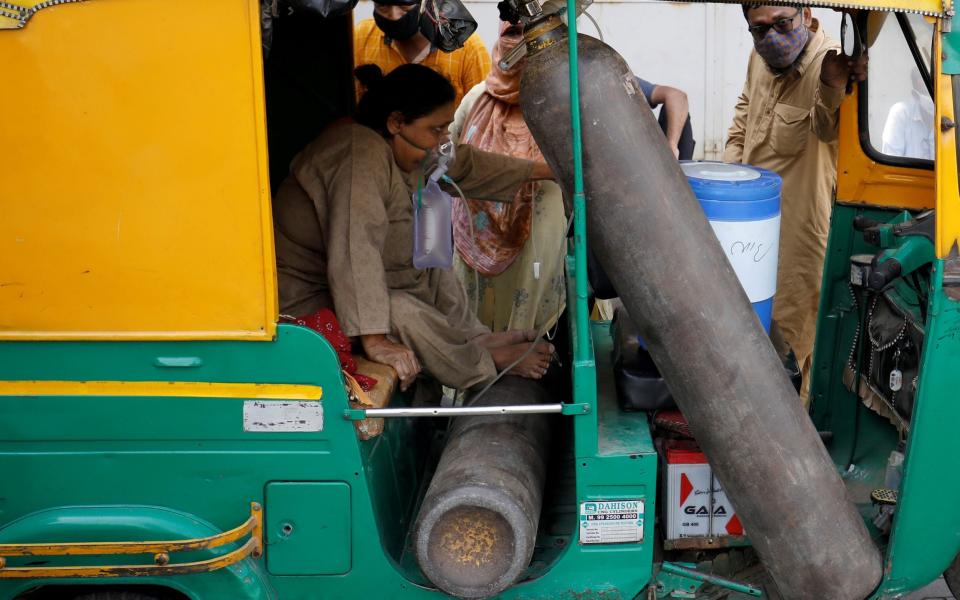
x=325 y=323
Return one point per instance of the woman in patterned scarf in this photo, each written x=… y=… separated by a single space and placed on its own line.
x=509 y=255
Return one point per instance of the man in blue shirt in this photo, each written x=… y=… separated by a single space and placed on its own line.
x=675 y=122
x=674 y=116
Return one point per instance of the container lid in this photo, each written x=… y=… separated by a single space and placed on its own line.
x=729 y=192
x=715 y=171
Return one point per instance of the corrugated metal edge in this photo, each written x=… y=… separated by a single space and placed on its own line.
x=21 y=14
x=947 y=10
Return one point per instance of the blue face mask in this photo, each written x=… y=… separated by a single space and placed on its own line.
x=780 y=50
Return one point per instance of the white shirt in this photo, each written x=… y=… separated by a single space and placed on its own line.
x=908 y=130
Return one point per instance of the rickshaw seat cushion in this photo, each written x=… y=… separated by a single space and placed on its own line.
x=379 y=396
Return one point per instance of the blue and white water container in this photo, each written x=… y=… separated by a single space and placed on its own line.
x=742 y=204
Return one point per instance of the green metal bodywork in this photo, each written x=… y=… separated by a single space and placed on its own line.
x=926 y=532
x=292 y=508
x=338 y=509
x=951 y=53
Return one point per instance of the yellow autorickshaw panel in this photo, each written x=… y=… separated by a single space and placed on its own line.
x=133 y=181
x=863 y=180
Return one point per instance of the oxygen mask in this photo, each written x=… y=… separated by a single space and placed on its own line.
x=439 y=159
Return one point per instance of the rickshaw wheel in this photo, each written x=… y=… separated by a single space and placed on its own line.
x=116 y=595
x=119 y=595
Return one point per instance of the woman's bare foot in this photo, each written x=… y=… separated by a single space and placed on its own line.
x=506 y=338
x=533 y=366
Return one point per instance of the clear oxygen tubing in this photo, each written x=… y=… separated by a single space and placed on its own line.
x=475 y=298
x=595 y=24
x=543 y=331
x=473 y=235
x=564 y=18
x=540 y=333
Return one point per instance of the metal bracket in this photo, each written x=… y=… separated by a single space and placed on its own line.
x=513 y=57
x=359 y=414
x=160 y=550
x=682 y=581
x=951 y=273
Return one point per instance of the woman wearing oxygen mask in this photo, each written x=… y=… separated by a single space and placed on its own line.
x=509 y=256
x=344 y=226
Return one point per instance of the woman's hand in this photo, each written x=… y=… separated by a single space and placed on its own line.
x=379 y=348
x=541 y=170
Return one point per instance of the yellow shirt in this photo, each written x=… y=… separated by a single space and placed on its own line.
x=788 y=124
x=464 y=67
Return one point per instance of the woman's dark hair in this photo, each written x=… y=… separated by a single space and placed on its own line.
x=412 y=90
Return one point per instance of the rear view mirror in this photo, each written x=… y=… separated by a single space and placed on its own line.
x=851 y=41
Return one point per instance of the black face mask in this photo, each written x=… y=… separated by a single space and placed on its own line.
x=403 y=28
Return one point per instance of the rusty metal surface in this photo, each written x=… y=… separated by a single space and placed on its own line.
x=706 y=543
x=161 y=550
x=649 y=233
x=476 y=530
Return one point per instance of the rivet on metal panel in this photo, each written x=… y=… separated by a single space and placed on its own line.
x=256 y=535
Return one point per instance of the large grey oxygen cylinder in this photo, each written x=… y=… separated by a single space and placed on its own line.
x=477 y=526
x=651 y=236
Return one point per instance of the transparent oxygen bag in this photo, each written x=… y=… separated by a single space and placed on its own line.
x=432 y=228
x=433 y=217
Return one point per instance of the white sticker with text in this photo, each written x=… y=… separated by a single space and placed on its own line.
x=282 y=415
x=611 y=522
